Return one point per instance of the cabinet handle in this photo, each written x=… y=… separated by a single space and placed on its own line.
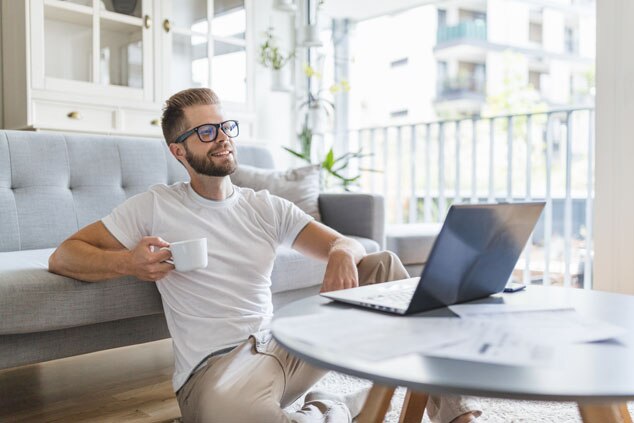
x=147 y=21
x=155 y=122
x=167 y=25
x=74 y=115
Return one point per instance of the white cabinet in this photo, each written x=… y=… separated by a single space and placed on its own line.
x=107 y=66
x=206 y=43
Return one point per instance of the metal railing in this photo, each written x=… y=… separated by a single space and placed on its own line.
x=475 y=30
x=423 y=168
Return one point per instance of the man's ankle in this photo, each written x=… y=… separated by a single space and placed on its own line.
x=465 y=418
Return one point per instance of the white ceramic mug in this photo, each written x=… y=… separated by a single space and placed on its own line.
x=188 y=255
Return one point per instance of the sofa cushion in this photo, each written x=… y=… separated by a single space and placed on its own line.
x=32 y=299
x=294 y=271
x=412 y=242
x=300 y=185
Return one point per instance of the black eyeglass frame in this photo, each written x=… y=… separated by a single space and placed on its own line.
x=218 y=127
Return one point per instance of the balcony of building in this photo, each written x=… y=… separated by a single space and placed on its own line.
x=467 y=39
x=423 y=168
x=466 y=30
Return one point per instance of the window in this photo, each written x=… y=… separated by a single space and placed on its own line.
x=471 y=16
x=534 y=79
x=570 y=40
x=442 y=18
x=399 y=114
x=535 y=32
x=399 y=62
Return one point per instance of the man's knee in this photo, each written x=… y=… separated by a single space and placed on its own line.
x=386 y=257
x=381 y=267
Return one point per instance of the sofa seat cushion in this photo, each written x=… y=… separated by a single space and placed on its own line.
x=412 y=242
x=294 y=271
x=32 y=299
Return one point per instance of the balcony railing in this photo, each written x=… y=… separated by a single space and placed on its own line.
x=471 y=30
x=423 y=168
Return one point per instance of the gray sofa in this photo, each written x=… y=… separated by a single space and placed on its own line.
x=51 y=185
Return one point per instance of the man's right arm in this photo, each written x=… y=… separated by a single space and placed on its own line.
x=94 y=254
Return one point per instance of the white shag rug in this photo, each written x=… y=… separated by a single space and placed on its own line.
x=494 y=410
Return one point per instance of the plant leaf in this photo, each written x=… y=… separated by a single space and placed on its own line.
x=329 y=160
x=297 y=154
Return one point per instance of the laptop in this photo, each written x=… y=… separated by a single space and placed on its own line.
x=472 y=257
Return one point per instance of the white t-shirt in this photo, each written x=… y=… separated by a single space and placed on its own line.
x=219 y=306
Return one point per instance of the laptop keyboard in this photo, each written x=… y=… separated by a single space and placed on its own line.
x=397 y=299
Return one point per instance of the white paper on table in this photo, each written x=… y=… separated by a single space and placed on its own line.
x=555 y=327
x=373 y=336
x=473 y=310
x=498 y=346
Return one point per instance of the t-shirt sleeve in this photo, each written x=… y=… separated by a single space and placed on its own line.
x=132 y=220
x=290 y=220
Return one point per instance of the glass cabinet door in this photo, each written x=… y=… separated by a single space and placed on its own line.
x=204 y=29
x=68 y=40
x=112 y=48
x=188 y=25
x=121 y=50
x=229 y=64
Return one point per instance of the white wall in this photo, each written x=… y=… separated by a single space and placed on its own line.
x=275 y=114
x=559 y=75
x=614 y=205
x=1 y=90
x=587 y=36
x=507 y=22
x=377 y=89
x=553 y=25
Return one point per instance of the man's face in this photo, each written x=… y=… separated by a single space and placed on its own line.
x=216 y=158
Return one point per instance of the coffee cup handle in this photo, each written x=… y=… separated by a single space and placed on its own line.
x=170 y=261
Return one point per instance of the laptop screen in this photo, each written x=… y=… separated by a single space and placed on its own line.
x=474 y=253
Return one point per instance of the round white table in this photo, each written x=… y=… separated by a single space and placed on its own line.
x=598 y=376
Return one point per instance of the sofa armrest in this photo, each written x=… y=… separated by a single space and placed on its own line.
x=354 y=214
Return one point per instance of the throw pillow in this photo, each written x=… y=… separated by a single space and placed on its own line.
x=300 y=185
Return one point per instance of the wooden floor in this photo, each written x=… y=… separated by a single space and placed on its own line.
x=131 y=384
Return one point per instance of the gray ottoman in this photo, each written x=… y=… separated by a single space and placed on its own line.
x=412 y=243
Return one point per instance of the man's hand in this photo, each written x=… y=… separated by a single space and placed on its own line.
x=342 y=253
x=341 y=272
x=146 y=264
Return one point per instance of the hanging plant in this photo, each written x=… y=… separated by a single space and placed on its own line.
x=270 y=54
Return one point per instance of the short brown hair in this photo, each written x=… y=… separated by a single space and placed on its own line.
x=173 y=120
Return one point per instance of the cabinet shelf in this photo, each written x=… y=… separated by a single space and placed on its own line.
x=112 y=21
x=68 y=12
x=82 y=15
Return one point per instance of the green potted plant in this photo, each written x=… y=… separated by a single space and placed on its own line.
x=272 y=57
x=333 y=167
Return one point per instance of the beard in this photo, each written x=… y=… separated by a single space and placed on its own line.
x=205 y=165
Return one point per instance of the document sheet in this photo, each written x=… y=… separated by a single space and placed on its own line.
x=493 y=333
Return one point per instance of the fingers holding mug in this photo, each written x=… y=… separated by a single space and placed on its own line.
x=164 y=255
x=187 y=255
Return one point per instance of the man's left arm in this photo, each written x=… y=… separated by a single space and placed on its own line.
x=342 y=253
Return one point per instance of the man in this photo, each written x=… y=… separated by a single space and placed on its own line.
x=227 y=366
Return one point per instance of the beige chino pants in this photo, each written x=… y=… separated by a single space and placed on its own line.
x=258 y=379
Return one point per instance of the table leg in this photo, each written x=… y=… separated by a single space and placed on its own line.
x=413 y=407
x=605 y=413
x=376 y=404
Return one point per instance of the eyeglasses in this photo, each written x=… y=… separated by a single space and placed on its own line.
x=208 y=132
